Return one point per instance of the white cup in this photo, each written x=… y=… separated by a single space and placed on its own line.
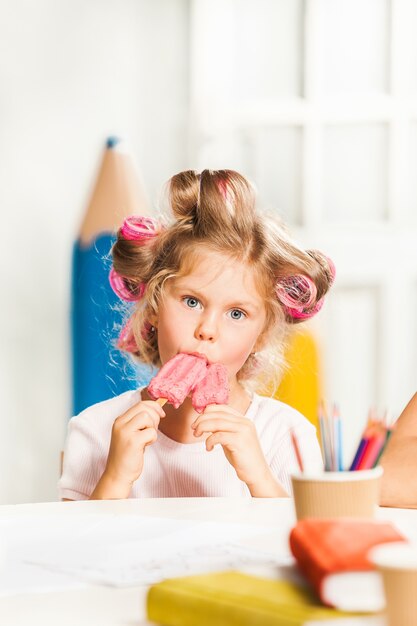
x=397 y=563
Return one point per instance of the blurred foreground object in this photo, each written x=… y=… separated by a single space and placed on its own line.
x=99 y=370
x=234 y=599
x=332 y=554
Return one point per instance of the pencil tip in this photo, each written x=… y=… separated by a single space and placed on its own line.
x=112 y=142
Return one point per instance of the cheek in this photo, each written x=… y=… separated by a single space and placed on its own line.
x=165 y=326
x=171 y=330
x=240 y=357
x=240 y=345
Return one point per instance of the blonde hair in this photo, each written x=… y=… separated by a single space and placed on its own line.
x=216 y=210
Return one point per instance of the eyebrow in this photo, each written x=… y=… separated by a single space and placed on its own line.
x=239 y=304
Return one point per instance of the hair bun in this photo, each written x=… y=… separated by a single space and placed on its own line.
x=184 y=194
x=326 y=264
x=212 y=201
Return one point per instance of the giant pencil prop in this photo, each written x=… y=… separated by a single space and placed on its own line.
x=99 y=370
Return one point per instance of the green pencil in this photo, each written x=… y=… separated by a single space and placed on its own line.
x=384 y=445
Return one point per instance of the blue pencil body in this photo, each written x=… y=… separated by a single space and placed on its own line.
x=100 y=371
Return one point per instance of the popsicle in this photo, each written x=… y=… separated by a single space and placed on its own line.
x=177 y=378
x=212 y=389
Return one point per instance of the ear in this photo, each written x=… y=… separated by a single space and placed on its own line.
x=152 y=318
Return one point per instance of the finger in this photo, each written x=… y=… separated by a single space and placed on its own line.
x=224 y=439
x=142 y=421
x=218 y=410
x=145 y=409
x=149 y=405
x=223 y=408
x=147 y=437
x=216 y=425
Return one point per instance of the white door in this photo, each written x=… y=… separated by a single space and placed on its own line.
x=316 y=101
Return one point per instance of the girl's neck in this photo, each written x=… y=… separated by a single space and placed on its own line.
x=177 y=423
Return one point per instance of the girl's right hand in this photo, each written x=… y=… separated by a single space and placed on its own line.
x=131 y=433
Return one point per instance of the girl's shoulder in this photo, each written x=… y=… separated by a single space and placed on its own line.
x=105 y=412
x=264 y=409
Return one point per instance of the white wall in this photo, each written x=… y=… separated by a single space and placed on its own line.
x=272 y=87
x=72 y=72
x=315 y=100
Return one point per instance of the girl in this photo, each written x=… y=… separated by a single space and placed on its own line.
x=226 y=282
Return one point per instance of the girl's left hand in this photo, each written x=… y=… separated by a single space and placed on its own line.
x=238 y=437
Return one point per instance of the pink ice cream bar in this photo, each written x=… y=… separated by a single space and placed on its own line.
x=213 y=389
x=177 y=378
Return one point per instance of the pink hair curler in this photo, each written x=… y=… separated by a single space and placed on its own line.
x=140 y=229
x=126 y=339
x=296 y=292
x=298 y=296
x=119 y=287
x=305 y=315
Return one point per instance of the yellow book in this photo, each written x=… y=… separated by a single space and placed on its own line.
x=233 y=599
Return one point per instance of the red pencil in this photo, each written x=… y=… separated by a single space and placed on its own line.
x=376 y=441
x=297 y=451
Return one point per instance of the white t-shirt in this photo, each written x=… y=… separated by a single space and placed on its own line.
x=173 y=469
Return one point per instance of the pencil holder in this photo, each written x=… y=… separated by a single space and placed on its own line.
x=336 y=494
x=397 y=564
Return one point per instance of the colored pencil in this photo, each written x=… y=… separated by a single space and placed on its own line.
x=339 y=438
x=325 y=438
x=99 y=370
x=332 y=441
x=297 y=452
x=384 y=445
x=359 y=454
x=371 y=453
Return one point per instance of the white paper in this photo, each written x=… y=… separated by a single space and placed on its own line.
x=57 y=552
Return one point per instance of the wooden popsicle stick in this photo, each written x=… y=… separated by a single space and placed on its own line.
x=162 y=401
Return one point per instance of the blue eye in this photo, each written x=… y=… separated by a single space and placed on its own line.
x=191 y=302
x=237 y=314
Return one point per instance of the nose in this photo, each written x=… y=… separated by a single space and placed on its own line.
x=206 y=329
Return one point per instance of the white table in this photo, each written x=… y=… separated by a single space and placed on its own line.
x=106 y=606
